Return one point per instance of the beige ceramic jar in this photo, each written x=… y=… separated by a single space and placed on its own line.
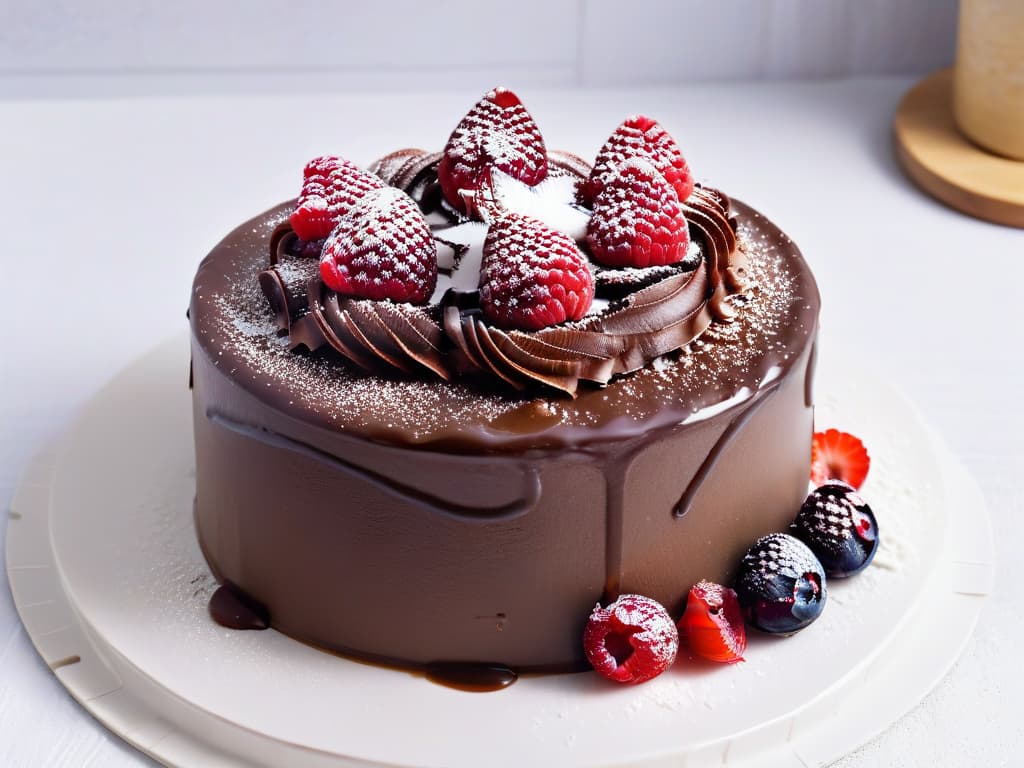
x=989 y=82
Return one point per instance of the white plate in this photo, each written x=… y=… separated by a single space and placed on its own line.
x=110 y=585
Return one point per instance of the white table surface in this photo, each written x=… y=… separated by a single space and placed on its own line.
x=107 y=207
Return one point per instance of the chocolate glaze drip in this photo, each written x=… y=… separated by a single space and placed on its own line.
x=708 y=465
x=450 y=340
x=812 y=364
x=475 y=678
x=522 y=505
x=616 y=467
x=231 y=607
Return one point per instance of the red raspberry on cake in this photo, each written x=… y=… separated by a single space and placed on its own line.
x=637 y=221
x=712 y=625
x=331 y=187
x=632 y=640
x=382 y=249
x=498 y=133
x=642 y=137
x=532 y=276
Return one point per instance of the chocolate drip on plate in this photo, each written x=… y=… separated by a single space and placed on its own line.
x=231 y=607
x=474 y=678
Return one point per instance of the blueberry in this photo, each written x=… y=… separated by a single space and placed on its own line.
x=781 y=585
x=839 y=528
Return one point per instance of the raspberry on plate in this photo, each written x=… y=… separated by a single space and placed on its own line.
x=532 y=276
x=498 y=133
x=838 y=455
x=382 y=249
x=642 y=137
x=331 y=187
x=711 y=627
x=780 y=585
x=637 y=221
x=839 y=527
x=632 y=640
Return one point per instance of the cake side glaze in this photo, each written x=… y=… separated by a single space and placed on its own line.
x=510 y=515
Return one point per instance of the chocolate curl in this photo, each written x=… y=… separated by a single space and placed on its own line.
x=286 y=286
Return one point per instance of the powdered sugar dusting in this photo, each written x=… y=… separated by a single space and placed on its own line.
x=632 y=640
x=637 y=219
x=461 y=267
x=553 y=202
x=331 y=187
x=499 y=135
x=382 y=249
x=324 y=386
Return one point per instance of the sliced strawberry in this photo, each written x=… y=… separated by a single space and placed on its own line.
x=532 y=276
x=712 y=625
x=642 y=137
x=331 y=187
x=637 y=219
x=838 y=455
x=382 y=249
x=496 y=133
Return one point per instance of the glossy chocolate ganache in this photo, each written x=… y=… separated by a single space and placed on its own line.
x=415 y=486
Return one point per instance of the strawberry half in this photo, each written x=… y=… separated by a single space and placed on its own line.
x=838 y=455
x=532 y=276
x=331 y=187
x=383 y=249
x=642 y=137
x=712 y=625
x=637 y=219
x=496 y=133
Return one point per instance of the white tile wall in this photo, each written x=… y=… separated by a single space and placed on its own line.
x=764 y=38
x=210 y=45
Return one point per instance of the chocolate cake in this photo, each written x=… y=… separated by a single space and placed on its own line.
x=418 y=482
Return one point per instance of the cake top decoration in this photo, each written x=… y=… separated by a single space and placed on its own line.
x=500 y=261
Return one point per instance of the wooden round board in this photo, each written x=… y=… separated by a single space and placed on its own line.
x=949 y=166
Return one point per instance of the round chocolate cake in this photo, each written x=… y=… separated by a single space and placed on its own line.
x=440 y=413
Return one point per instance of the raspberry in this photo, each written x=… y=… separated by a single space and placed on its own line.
x=330 y=188
x=637 y=221
x=838 y=455
x=642 y=137
x=382 y=249
x=712 y=625
x=532 y=276
x=496 y=133
x=632 y=640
